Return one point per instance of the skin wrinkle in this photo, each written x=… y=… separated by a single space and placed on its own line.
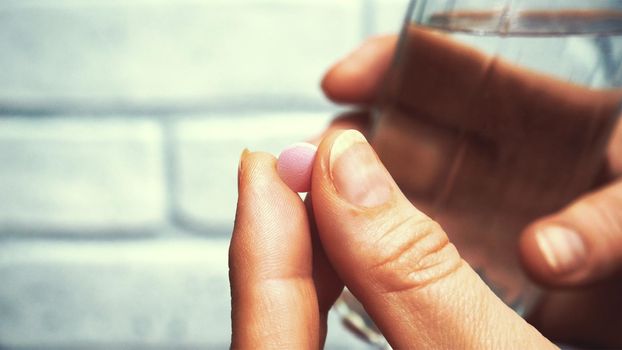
x=590 y=221
x=410 y=285
x=479 y=329
x=423 y=254
x=440 y=316
x=409 y=223
x=430 y=272
x=406 y=317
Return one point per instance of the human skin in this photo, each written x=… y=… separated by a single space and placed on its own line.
x=580 y=306
x=394 y=258
x=290 y=259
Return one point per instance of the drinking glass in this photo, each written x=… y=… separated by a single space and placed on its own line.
x=494 y=114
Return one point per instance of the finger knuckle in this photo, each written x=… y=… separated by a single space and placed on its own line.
x=413 y=254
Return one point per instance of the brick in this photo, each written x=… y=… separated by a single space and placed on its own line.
x=112 y=295
x=207 y=152
x=171 y=53
x=80 y=175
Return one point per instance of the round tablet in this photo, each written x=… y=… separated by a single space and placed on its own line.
x=295 y=164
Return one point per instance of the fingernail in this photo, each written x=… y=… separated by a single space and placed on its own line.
x=356 y=171
x=245 y=153
x=563 y=249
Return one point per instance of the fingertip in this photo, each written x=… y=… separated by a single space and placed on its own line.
x=254 y=167
x=532 y=259
x=347 y=82
x=554 y=255
x=357 y=78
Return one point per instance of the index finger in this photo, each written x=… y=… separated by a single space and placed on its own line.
x=274 y=301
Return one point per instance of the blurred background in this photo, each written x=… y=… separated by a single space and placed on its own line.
x=121 y=125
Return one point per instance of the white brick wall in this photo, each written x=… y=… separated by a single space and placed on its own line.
x=81 y=175
x=168 y=52
x=161 y=293
x=121 y=124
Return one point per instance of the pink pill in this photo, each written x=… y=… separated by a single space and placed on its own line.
x=295 y=164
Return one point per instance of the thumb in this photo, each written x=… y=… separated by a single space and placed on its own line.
x=580 y=244
x=399 y=263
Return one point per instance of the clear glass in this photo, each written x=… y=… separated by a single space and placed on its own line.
x=494 y=114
